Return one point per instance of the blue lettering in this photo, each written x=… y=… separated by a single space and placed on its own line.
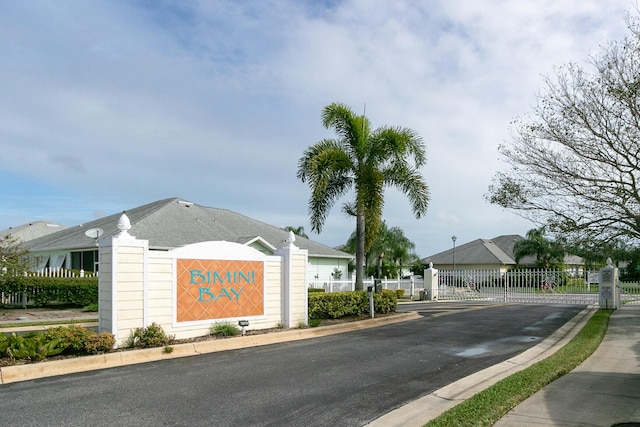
x=206 y=291
x=249 y=277
x=206 y=295
x=197 y=277
x=224 y=293
x=218 y=278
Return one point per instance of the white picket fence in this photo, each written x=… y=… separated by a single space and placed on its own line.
x=60 y=272
x=411 y=286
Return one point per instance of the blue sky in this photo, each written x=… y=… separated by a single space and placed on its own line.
x=107 y=105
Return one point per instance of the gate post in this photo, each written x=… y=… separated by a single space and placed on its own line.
x=431 y=283
x=294 y=293
x=609 y=291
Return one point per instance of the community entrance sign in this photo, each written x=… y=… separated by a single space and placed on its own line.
x=187 y=289
x=219 y=289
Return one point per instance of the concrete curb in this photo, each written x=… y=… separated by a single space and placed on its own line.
x=426 y=408
x=30 y=371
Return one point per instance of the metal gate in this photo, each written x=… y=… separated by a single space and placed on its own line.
x=526 y=286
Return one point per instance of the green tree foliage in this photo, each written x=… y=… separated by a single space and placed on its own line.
x=390 y=252
x=574 y=160
x=298 y=231
x=548 y=254
x=364 y=162
x=14 y=259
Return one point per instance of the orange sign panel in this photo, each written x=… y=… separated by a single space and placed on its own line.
x=219 y=289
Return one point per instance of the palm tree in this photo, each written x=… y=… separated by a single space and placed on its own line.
x=549 y=254
x=298 y=231
x=390 y=252
x=366 y=162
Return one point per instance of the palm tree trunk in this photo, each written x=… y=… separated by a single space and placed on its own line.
x=360 y=236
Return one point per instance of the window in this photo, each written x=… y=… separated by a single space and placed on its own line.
x=85 y=260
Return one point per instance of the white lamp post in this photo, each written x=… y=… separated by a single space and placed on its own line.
x=454 y=238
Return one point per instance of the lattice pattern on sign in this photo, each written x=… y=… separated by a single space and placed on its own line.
x=218 y=289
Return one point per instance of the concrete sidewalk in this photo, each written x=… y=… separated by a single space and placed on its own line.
x=603 y=391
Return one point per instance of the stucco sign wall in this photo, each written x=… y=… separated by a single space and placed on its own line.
x=219 y=289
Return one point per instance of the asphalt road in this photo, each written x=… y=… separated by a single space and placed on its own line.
x=346 y=379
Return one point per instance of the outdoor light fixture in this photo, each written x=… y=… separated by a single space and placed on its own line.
x=454 y=238
x=243 y=324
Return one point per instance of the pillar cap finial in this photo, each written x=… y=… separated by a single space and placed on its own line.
x=124 y=225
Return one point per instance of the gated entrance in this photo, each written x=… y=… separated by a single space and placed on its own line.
x=526 y=286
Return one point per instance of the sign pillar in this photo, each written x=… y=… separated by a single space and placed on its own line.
x=294 y=299
x=609 y=295
x=431 y=283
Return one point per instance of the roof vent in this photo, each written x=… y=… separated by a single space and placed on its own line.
x=187 y=204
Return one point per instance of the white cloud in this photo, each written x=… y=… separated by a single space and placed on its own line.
x=110 y=105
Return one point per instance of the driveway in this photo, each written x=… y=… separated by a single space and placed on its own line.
x=346 y=379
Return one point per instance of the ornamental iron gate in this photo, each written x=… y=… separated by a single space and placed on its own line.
x=527 y=286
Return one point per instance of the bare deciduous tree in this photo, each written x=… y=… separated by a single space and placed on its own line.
x=574 y=159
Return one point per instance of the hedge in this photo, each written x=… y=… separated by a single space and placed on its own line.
x=352 y=303
x=80 y=291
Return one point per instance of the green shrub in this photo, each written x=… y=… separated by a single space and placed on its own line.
x=352 y=303
x=311 y=290
x=314 y=323
x=4 y=343
x=151 y=336
x=224 y=329
x=79 y=340
x=91 y=308
x=385 y=301
x=79 y=291
x=99 y=343
x=72 y=338
x=399 y=293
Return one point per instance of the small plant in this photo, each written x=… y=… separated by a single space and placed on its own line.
x=151 y=336
x=224 y=329
x=79 y=340
x=33 y=347
x=99 y=343
x=399 y=293
x=4 y=343
x=90 y=308
x=71 y=338
x=168 y=350
x=301 y=325
x=313 y=323
x=280 y=325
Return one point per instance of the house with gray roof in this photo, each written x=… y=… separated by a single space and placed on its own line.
x=171 y=223
x=490 y=254
x=32 y=230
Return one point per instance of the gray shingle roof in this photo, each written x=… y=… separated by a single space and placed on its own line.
x=498 y=250
x=174 y=222
x=32 y=230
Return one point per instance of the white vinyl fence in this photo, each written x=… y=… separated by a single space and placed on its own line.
x=411 y=286
x=517 y=286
